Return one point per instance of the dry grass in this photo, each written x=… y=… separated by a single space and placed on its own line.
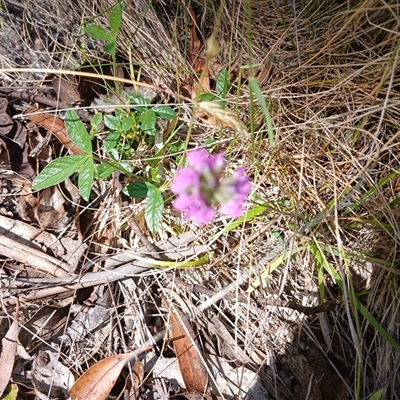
x=329 y=72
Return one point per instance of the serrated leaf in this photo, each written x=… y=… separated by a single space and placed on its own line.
x=77 y=131
x=165 y=112
x=103 y=171
x=115 y=18
x=137 y=190
x=85 y=178
x=154 y=208
x=222 y=83
x=112 y=122
x=98 y=32
x=148 y=121
x=58 y=170
x=111 y=47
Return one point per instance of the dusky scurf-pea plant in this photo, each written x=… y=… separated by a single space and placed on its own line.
x=199 y=186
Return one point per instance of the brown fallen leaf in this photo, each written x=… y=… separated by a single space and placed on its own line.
x=54 y=125
x=96 y=383
x=133 y=382
x=67 y=89
x=7 y=358
x=187 y=351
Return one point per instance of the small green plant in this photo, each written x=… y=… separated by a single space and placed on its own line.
x=126 y=129
x=221 y=87
x=108 y=35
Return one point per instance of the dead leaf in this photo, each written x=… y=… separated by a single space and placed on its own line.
x=13 y=146
x=51 y=379
x=49 y=321
x=96 y=383
x=54 y=125
x=67 y=89
x=133 y=388
x=10 y=344
x=5 y=162
x=187 y=351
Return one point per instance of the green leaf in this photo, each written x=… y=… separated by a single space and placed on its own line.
x=111 y=47
x=112 y=122
x=222 y=83
x=148 y=121
x=77 y=131
x=165 y=112
x=113 y=153
x=115 y=18
x=103 y=170
x=377 y=395
x=111 y=141
x=137 y=190
x=58 y=170
x=154 y=208
x=96 y=121
x=11 y=392
x=98 y=32
x=124 y=167
x=127 y=124
x=260 y=97
x=207 y=97
x=138 y=102
x=211 y=97
x=85 y=178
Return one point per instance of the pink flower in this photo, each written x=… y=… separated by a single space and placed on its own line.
x=199 y=185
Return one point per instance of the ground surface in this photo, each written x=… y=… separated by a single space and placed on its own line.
x=304 y=285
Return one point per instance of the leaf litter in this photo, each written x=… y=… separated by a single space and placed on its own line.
x=304 y=176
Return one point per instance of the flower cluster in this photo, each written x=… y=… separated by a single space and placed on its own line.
x=199 y=186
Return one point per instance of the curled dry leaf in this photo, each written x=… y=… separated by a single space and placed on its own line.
x=187 y=351
x=7 y=358
x=54 y=125
x=51 y=379
x=96 y=383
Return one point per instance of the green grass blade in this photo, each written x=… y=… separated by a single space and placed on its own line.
x=259 y=96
